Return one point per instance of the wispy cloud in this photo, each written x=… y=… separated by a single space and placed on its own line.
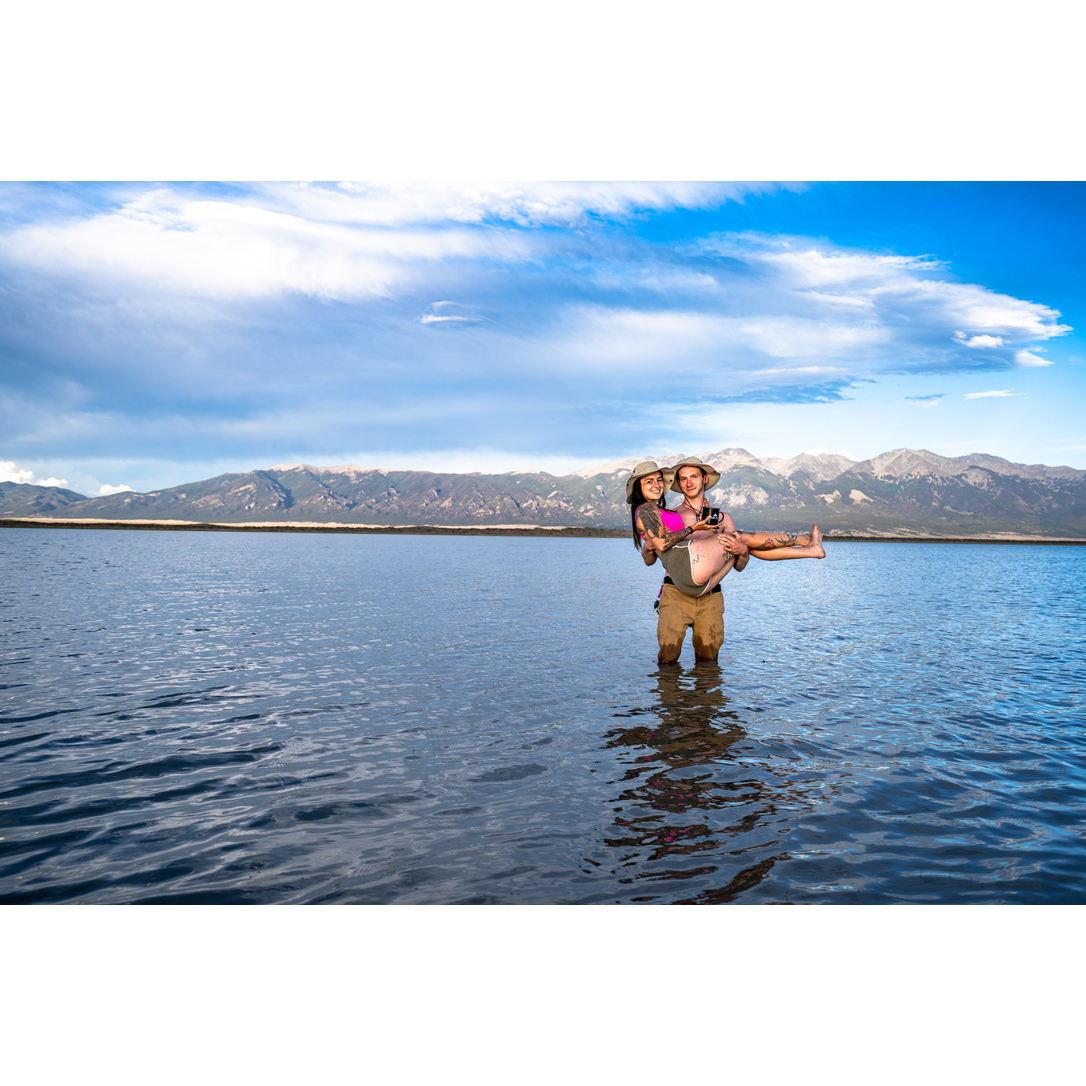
x=451 y=313
x=169 y=241
x=992 y=394
x=914 y=296
x=931 y=400
x=685 y=342
x=1031 y=358
x=535 y=204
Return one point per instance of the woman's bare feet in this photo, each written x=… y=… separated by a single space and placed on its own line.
x=817 y=550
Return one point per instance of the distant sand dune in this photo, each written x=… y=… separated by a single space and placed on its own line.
x=474 y=529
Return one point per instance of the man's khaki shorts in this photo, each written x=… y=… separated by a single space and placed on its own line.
x=678 y=612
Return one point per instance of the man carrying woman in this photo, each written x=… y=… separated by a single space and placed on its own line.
x=698 y=546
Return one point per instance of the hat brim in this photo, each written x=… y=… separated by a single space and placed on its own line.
x=667 y=473
x=712 y=476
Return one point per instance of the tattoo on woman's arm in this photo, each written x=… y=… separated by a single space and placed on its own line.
x=654 y=526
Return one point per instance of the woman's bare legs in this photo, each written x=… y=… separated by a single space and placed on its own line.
x=778 y=546
x=716 y=578
x=769 y=540
x=709 y=559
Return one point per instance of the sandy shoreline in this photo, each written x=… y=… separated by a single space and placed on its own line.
x=308 y=526
x=583 y=532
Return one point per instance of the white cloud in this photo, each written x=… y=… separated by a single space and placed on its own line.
x=932 y=400
x=344 y=242
x=656 y=278
x=802 y=371
x=451 y=313
x=978 y=341
x=682 y=340
x=815 y=266
x=535 y=204
x=108 y=488
x=1030 y=358
x=168 y=241
x=979 y=308
x=891 y=289
x=603 y=337
x=786 y=337
x=993 y=394
x=10 y=472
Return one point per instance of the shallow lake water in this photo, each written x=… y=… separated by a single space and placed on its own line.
x=274 y=717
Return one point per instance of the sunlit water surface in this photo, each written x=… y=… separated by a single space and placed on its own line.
x=201 y=717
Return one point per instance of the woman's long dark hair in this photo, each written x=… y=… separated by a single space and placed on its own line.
x=636 y=500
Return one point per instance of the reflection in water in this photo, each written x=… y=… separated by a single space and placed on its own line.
x=692 y=806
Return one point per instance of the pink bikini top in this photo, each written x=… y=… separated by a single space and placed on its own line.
x=670 y=520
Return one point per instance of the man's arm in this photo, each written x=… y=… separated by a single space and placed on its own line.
x=741 y=552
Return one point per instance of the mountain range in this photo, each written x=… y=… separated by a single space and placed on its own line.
x=903 y=492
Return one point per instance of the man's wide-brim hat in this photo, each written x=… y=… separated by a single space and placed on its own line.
x=712 y=475
x=647 y=467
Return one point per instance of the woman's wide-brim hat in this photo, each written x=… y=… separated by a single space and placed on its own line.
x=647 y=467
x=712 y=475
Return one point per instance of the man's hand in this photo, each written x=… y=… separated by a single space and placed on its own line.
x=731 y=542
x=727 y=527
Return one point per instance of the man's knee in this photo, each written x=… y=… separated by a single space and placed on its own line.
x=709 y=630
x=671 y=628
x=671 y=643
x=669 y=653
x=707 y=648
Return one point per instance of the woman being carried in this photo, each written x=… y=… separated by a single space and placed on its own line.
x=698 y=556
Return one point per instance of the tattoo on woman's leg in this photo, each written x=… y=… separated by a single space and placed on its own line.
x=785 y=539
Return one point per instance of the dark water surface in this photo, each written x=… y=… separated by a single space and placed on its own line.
x=196 y=717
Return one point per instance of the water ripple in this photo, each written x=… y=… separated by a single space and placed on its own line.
x=260 y=719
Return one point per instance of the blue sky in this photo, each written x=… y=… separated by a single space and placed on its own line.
x=154 y=334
